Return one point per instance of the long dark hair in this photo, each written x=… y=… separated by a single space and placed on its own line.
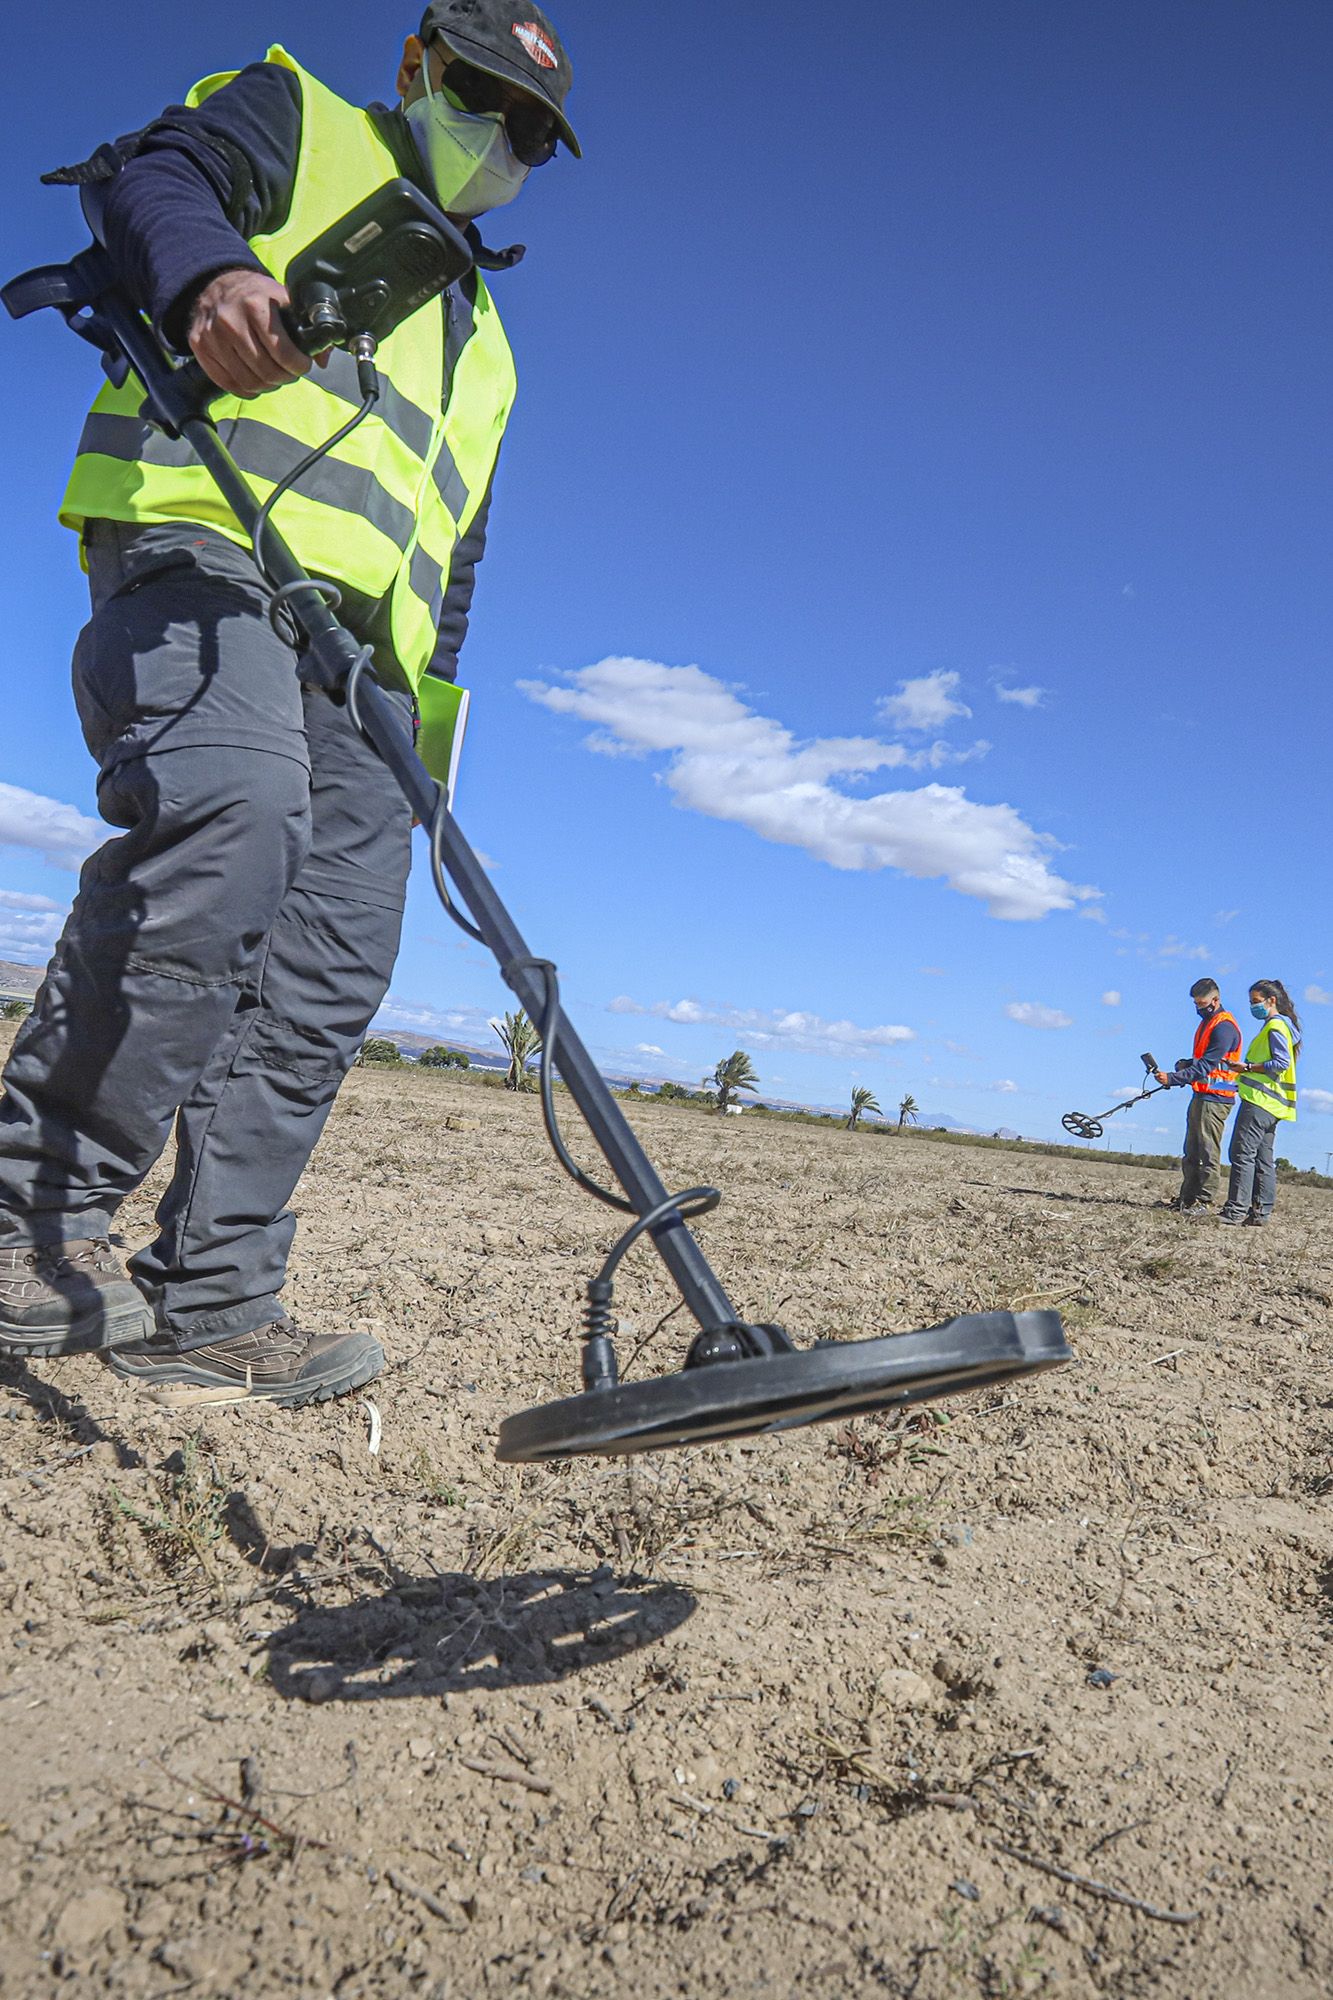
x=1273 y=989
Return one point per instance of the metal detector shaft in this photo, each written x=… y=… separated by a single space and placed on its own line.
x=334 y=653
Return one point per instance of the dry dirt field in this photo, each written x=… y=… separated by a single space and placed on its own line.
x=821 y=1715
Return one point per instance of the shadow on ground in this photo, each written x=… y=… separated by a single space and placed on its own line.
x=1057 y=1194
x=66 y=1414
x=455 y=1633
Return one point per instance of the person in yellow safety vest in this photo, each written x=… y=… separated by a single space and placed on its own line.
x=1206 y=1073
x=225 y=955
x=1266 y=1080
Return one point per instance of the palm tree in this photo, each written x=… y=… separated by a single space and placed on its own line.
x=907 y=1111
x=734 y=1073
x=863 y=1100
x=521 y=1042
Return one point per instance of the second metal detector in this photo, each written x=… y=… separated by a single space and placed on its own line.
x=392 y=256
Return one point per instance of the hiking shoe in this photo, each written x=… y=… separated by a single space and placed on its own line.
x=1231 y=1216
x=1173 y=1203
x=1195 y=1211
x=278 y=1363
x=67 y=1298
x=1253 y=1221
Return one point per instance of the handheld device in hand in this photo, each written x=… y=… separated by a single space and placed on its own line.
x=389 y=256
x=1149 y=1061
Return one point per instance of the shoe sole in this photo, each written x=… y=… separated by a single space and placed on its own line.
x=177 y=1385
x=92 y=1333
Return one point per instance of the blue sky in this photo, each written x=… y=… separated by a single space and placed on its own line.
x=902 y=650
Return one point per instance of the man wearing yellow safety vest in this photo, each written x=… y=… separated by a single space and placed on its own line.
x=1207 y=1073
x=224 y=956
x=1266 y=1081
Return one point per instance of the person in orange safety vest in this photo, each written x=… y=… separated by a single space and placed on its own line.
x=1210 y=1078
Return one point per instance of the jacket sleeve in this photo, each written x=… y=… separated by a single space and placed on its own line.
x=1279 y=1051
x=1223 y=1042
x=199 y=183
x=457 y=607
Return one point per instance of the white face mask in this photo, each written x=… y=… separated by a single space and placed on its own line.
x=466 y=153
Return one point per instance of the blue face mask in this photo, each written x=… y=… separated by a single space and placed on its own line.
x=1259 y=1011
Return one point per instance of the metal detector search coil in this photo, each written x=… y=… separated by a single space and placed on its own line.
x=783 y=1392
x=388 y=256
x=1085 y=1125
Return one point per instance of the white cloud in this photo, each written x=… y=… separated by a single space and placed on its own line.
x=1032 y=1014
x=15 y=899
x=417 y=1019
x=1110 y=998
x=59 y=833
x=1026 y=697
x=622 y=1004
x=647 y=1049
x=1319 y=1100
x=729 y=763
x=27 y=937
x=1319 y=996
x=1174 y=947
x=1006 y=1084
x=1225 y=916
x=29 y=926
x=925 y=703
x=776 y=1027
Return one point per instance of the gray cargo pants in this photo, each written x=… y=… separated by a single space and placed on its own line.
x=1253 y=1168
x=224 y=956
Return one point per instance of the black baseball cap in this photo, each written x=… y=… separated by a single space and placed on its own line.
x=510 y=39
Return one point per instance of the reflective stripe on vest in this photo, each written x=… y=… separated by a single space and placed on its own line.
x=384 y=511
x=1276 y=1094
x=1219 y=1082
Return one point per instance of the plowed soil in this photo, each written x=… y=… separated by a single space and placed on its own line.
x=834 y=1713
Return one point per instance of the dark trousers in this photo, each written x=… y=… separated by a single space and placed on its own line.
x=1205 y=1123
x=1253 y=1186
x=223 y=956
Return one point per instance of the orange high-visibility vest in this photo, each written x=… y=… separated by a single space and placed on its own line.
x=1219 y=1082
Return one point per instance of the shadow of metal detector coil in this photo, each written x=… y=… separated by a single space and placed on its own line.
x=780 y=1392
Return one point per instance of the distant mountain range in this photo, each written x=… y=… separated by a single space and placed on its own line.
x=416 y=1045
x=19 y=982
x=495 y=1059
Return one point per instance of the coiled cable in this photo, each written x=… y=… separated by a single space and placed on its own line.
x=298 y=472
x=690 y=1203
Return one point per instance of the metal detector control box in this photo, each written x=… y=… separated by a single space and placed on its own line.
x=389 y=256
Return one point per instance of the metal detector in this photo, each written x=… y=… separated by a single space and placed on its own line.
x=391 y=256
x=1084 y=1125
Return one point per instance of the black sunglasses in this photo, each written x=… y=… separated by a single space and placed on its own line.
x=533 y=131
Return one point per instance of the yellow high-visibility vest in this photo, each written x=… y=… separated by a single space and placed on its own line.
x=1271 y=1093
x=384 y=511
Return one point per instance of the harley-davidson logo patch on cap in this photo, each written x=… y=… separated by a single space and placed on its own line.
x=535 y=43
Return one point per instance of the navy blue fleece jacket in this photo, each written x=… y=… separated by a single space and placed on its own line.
x=199 y=184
